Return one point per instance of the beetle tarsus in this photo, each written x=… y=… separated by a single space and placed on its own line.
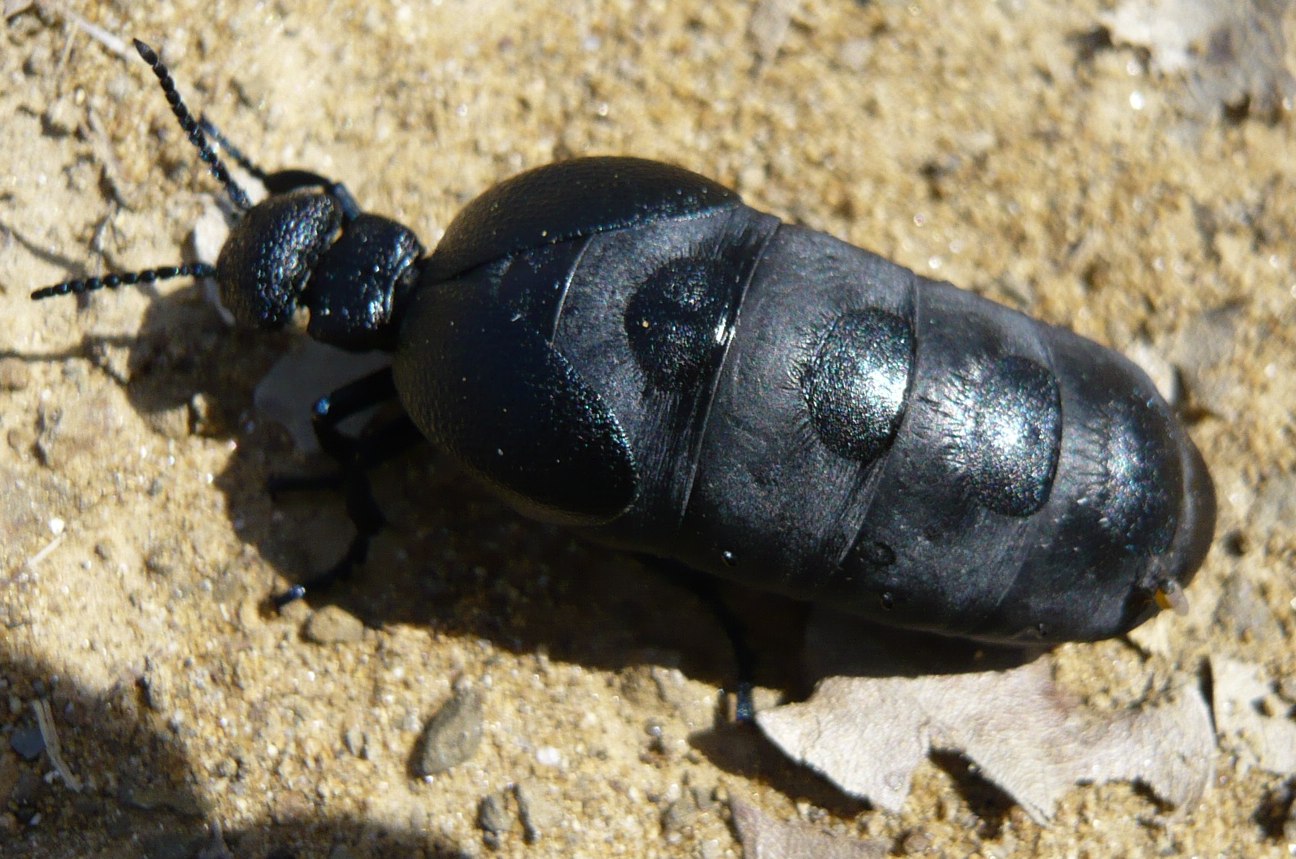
x=355 y=556
x=745 y=705
x=706 y=589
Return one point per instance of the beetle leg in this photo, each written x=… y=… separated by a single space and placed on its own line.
x=352 y=398
x=705 y=588
x=355 y=456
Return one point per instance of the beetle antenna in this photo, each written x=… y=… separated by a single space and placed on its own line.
x=235 y=154
x=192 y=128
x=282 y=181
x=130 y=278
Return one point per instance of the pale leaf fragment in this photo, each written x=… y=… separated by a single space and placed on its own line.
x=768 y=26
x=1169 y=29
x=13 y=7
x=287 y=393
x=1241 y=693
x=763 y=837
x=1233 y=52
x=868 y=735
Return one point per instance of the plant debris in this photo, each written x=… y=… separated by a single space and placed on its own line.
x=1233 y=53
x=1252 y=719
x=868 y=735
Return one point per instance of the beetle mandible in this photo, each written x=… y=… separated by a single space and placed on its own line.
x=622 y=346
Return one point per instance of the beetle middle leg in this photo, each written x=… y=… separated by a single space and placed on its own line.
x=355 y=456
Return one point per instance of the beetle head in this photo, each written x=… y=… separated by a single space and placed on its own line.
x=306 y=246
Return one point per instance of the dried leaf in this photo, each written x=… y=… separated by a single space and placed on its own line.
x=1169 y=29
x=763 y=837
x=13 y=7
x=288 y=391
x=1234 y=52
x=868 y=734
x=1241 y=698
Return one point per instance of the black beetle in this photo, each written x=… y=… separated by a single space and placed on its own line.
x=624 y=347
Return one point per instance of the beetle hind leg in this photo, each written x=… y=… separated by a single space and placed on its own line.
x=705 y=588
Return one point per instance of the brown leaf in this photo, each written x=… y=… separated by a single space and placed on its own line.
x=868 y=734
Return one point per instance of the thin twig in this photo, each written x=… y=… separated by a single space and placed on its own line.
x=45 y=721
x=94 y=31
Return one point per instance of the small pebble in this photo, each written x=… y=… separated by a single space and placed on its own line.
x=27 y=742
x=27 y=790
x=451 y=736
x=494 y=817
x=540 y=812
x=680 y=813
x=332 y=625
x=357 y=743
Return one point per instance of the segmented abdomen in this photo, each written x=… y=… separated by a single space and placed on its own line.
x=811 y=418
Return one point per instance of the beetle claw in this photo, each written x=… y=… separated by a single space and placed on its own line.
x=1170 y=595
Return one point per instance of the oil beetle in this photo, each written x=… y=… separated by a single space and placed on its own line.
x=624 y=347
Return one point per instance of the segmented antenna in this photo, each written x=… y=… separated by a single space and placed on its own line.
x=281 y=181
x=191 y=127
x=236 y=155
x=195 y=132
x=112 y=281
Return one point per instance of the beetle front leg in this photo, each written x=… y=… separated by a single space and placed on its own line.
x=355 y=457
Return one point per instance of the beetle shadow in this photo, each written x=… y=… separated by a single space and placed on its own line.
x=131 y=791
x=183 y=357
x=460 y=562
x=453 y=557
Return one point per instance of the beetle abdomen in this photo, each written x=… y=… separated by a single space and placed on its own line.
x=896 y=446
x=892 y=445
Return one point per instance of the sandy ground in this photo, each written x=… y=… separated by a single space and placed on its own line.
x=1006 y=147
